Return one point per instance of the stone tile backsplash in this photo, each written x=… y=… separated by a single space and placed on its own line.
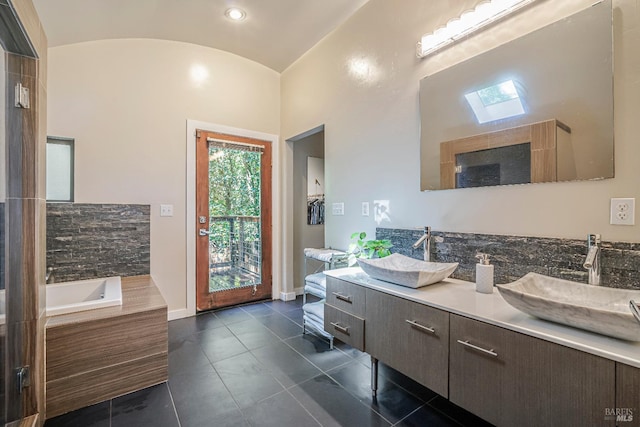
x=85 y=241
x=515 y=256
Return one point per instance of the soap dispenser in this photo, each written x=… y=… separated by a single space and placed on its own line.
x=484 y=274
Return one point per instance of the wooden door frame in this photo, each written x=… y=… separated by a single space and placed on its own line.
x=206 y=300
x=278 y=261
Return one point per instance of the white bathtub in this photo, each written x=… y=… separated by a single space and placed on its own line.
x=69 y=297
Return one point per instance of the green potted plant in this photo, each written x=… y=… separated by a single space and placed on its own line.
x=361 y=248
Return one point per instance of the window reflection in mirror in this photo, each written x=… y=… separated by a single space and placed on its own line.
x=561 y=73
x=60 y=171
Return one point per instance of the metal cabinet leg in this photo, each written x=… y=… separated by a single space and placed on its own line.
x=374 y=376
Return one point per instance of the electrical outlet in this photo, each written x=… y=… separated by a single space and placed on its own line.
x=365 y=208
x=337 y=208
x=623 y=211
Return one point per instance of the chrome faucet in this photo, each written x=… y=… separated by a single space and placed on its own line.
x=635 y=310
x=425 y=240
x=48 y=277
x=592 y=261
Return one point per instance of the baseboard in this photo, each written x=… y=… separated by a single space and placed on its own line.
x=299 y=290
x=178 y=314
x=287 y=296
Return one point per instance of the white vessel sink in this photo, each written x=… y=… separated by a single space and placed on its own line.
x=593 y=308
x=405 y=271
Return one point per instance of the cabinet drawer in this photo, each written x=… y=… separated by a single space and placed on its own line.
x=344 y=326
x=493 y=371
x=627 y=394
x=410 y=337
x=346 y=296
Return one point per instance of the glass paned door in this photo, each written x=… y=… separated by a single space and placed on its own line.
x=235 y=248
x=233 y=198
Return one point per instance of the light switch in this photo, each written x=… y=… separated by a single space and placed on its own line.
x=337 y=208
x=365 y=208
x=166 y=210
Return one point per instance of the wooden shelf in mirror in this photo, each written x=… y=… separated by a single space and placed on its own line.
x=551 y=151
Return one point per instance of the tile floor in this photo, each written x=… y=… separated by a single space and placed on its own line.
x=251 y=366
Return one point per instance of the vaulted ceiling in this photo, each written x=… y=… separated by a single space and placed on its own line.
x=274 y=33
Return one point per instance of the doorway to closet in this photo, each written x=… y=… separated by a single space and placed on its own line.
x=308 y=199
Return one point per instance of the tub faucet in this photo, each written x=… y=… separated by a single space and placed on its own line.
x=592 y=261
x=48 y=277
x=425 y=240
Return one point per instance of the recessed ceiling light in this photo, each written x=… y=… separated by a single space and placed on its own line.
x=235 y=14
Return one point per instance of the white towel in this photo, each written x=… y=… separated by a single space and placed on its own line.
x=317 y=278
x=316 y=290
x=316 y=326
x=324 y=255
x=314 y=310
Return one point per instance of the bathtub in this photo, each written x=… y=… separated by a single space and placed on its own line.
x=69 y=297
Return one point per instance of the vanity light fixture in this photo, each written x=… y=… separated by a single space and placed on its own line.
x=235 y=14
x=469 y=22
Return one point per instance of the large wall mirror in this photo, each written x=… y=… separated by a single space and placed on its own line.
x=536 y=109
x=315 y=191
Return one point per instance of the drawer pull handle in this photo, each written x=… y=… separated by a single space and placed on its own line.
x=342 y=297
x=338 y=327
x=475 y=347
x=421 y=327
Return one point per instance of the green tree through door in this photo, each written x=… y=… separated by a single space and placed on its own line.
x=234 y=212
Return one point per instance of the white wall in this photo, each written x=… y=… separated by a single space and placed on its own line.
x=126 y=104
x=364 y=80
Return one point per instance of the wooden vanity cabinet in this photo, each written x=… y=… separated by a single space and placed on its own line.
x=508 y=378
x=346 y=296
x=628 y=394
x=344 y=326
x=505 y=377
x=344 y=312
x=412 y=338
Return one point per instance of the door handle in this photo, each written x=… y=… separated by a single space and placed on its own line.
x=421 y=327
x=203 y=232
x=341 y=297
x=338 y=327
x=480 y=349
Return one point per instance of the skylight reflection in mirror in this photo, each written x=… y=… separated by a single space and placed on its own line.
x=495 y=102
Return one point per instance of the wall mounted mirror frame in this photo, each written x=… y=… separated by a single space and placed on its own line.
x=561 y=73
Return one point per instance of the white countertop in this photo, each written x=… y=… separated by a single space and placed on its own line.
x=459 y=297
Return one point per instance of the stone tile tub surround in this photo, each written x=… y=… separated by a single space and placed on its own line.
x=515 y=256
x=85 y=241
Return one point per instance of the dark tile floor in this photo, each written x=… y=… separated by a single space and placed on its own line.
x=251 y=366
